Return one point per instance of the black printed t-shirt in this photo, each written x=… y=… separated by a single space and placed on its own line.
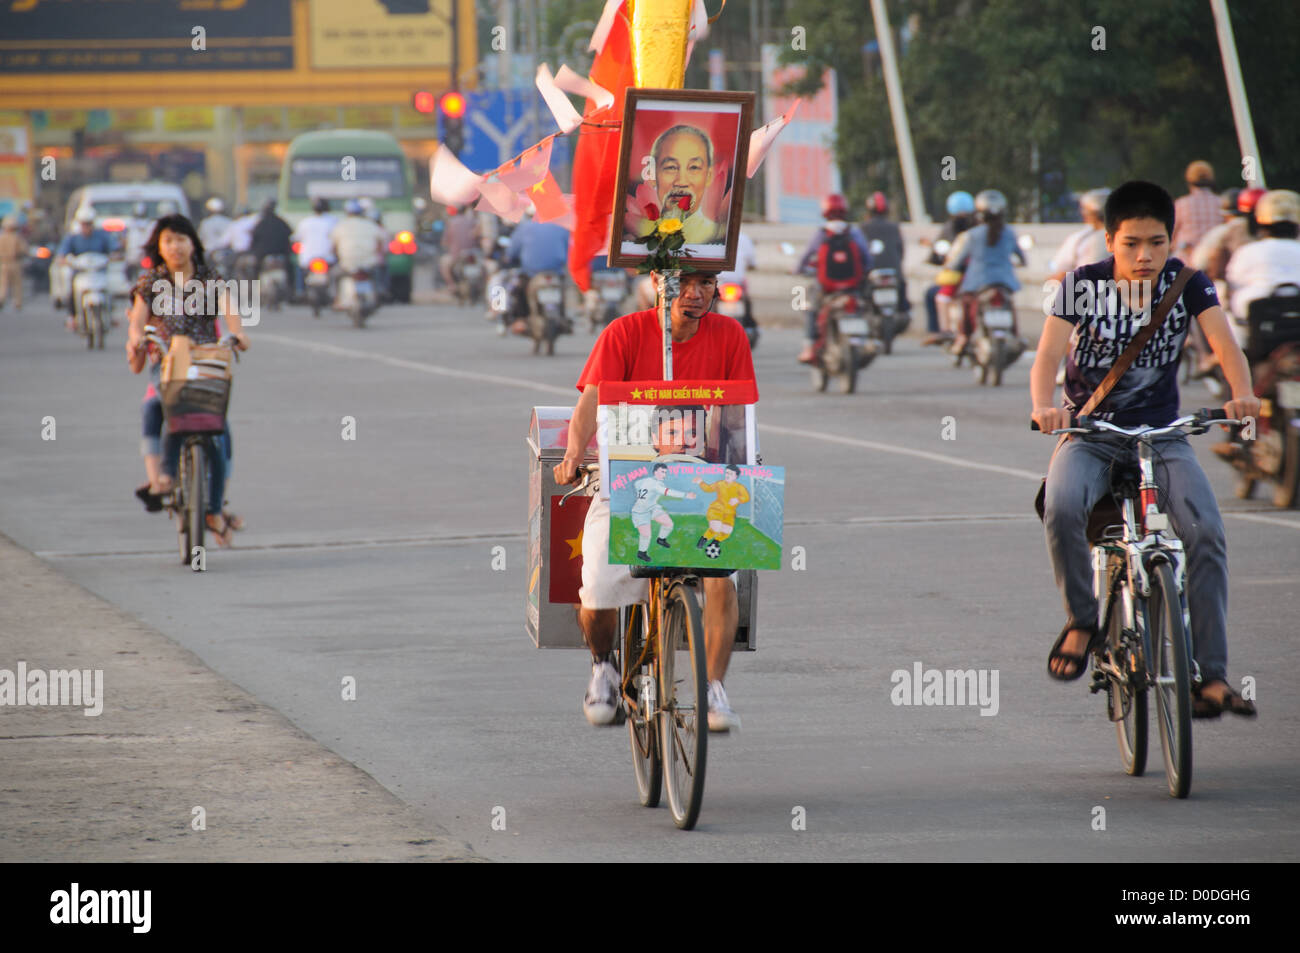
x=1147 y=393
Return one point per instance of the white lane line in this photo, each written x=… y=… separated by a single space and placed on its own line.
x=420 y=366
x=426 y=368
x=375 y=543
x=905 y=451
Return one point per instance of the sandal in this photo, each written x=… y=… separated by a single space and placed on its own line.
x=1230 y=702
x=152 y=501
x=1079 y=661
x=220 y=529
x=233 y=520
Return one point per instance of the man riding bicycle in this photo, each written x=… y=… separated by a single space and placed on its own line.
x=706 y=346
x=1091 y=331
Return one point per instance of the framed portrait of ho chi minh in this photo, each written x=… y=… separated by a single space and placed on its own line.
x=682 y=161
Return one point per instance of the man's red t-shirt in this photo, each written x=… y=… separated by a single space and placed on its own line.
x=631 y=349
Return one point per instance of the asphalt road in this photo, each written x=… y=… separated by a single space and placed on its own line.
x=372 y=558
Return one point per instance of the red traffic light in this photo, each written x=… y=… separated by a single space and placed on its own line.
x=423 y=102
x=452 y=105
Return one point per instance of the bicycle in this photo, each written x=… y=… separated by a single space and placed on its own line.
x=1139 y=571
x=189 y=494
x=666 y=711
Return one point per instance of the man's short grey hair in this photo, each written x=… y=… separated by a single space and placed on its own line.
x=694 y=130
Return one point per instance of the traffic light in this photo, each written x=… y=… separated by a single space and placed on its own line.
x=423 y=102
x=452 y=107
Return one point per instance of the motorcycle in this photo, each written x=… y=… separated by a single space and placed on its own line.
x=1273 y=350
x=995 y=344
x=36 y=269
x=274 y=281
x=317 y=283
x=245 y=266
x=90 y=291
x=733 y=301
x=548 y=322
x=507 y=298
x=848 y=346
x=358 y=296
x=887 y=319
x=469 y=271
x=604 y=300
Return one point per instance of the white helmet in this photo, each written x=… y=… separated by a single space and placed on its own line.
x=215 y=206
x=991 y=202
x=1094 y=200
x=86 y=214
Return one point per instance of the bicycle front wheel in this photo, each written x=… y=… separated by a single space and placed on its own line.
x=642 y=725
x=1172 y=679
x=683 y=703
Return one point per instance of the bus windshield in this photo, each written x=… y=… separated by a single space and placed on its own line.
x=347 y=177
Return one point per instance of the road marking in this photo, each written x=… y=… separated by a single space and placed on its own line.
x=323 y=544
x=421 y=366
x=1260 y=518
x=904 y=451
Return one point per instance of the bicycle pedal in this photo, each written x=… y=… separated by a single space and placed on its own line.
x=1099 y=681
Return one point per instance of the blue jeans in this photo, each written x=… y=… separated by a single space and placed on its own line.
x=931 y=309
x=219 y=464
x=1079 y=476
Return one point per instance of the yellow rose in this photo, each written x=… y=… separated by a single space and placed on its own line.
x=669 y=226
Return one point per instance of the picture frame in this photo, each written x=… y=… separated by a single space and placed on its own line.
x=679 y=145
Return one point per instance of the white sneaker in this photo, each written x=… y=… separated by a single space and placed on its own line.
x=601 y=703
x=721 y=717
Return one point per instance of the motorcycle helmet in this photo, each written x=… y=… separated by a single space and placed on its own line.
x=960 y=203
x=1228 y=201
x=167 y=208
x=215 y=206
x=991 y=202
x=878 y=203
x=1094 y=200
x=86 y=214
x=1279 y=205
x=1247 y=198
x=352 y=207
x=834 y=207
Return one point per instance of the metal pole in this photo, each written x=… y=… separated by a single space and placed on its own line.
x=898 y=110
x=1237 y=94
x=455 y=44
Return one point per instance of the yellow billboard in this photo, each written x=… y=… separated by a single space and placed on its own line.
x=376 y=34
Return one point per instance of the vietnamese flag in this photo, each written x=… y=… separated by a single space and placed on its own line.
x=595 y=159
x=548 y=198
x=566 y=547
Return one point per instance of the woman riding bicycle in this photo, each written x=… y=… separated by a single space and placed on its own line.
x=177 y=252
x=985 y=253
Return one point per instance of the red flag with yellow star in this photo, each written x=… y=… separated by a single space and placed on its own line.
x=548 y=198
x=566 y=547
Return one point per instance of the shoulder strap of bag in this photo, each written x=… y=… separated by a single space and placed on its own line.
x=1135 y=347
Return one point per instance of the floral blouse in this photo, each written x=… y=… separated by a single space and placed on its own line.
x=169 y=310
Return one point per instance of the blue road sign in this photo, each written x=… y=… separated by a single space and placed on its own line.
x=499 y=124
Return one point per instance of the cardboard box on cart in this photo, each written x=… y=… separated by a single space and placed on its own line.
x=555 y=543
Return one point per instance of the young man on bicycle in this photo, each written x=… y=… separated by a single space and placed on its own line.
x=1107 y=304
x=706 y=346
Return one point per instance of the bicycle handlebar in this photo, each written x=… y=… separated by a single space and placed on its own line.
x=588 y=471
x=1087 y=425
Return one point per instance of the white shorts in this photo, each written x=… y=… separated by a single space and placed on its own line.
x=644 y=517
x=605 y=586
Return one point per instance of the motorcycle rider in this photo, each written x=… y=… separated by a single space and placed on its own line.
x=86 y=238
x=271 y=236
x=878 y=228
x=212 y=230
x=984 y=255
x=313 y=238
x=460 y=236
x=1088 y=244
x=836 y=213
x=961 y=217
x=13 y=252
x=538 y=247
x=358 y=242
x=1259 y=267
x=1196 y=212
x=239 y=235
x=373 y=212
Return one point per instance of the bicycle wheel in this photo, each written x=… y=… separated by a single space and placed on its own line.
x=195 y=499
x=642 y=726
x=1127 y=701
x=178 y=506
x=683 y=704
x=1172 y=679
